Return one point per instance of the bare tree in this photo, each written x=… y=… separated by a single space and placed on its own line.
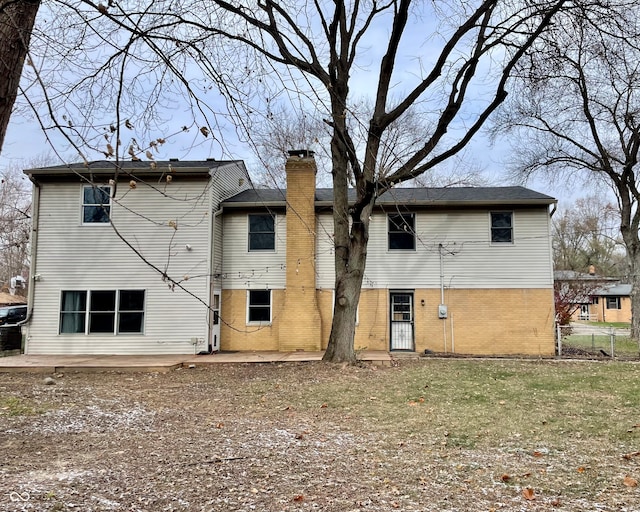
x=17 y=18
x=586 y=233
x=272 y=135
x=15 y=218
x=316 y=48
x=578 y=108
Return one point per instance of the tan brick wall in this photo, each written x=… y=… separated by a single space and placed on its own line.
x=485 y=322
x=325 y=305
x=236 y=334
x=372 y=328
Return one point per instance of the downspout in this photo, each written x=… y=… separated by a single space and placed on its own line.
x=35 y=219
x=444 y=320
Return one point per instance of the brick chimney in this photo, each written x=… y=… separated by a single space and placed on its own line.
x=299 y=326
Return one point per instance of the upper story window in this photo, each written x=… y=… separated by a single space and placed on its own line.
x=502 y=227
x=96 y=204
x=262 y=232
x=402 y=233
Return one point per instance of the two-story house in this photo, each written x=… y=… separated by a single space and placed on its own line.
x=188 y=257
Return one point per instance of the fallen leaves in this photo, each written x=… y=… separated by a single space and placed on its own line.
x=529 y=494
x=630 y=481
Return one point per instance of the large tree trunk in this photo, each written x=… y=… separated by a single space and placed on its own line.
x=634 y=266
x=350 y=241
x=350 y=266
x=629 y=225
x=16 y=23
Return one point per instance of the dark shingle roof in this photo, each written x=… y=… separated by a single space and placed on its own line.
x=417 y=196
x=139 y=167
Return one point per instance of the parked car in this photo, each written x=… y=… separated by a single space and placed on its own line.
x=12 y=315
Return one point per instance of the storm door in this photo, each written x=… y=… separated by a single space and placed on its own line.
x=402 y=321
x=214 y=320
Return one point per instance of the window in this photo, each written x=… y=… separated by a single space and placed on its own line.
x=613 y=302
x=102 y=311
x=402 y=231
x=73 y=312
x=96 y=204
x=262 y=232
x=502 y=227
x=259 y=306
x=102 y=315
x=131 y=311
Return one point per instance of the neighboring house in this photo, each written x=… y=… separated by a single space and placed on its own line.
x=465 y=270
x=611 y=303
x=595 y=298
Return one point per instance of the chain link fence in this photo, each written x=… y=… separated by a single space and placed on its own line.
x=593 y=341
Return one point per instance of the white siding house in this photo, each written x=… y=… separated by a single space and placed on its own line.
x=187 y=257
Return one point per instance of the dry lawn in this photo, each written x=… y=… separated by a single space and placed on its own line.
x=428 y=435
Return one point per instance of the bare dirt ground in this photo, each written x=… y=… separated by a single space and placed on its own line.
x=292 y=437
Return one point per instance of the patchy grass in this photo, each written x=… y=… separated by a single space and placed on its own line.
x=428 y=435
x=14 y=406
x=615 y=325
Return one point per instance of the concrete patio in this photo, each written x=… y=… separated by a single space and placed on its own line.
x=162 y=363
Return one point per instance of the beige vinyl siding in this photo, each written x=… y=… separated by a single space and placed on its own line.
x=244 y=269
x=325 y=252
x=76 y=257
x=227 y=180
x=469 y=259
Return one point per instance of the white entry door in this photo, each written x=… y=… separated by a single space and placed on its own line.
x=402 y=321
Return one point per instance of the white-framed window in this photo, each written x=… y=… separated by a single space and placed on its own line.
x=102 y=312
x=501 y=227
x=262 y=232
x=96 y=204
x=402 y=231
x=613 y=303
x=258 y=306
